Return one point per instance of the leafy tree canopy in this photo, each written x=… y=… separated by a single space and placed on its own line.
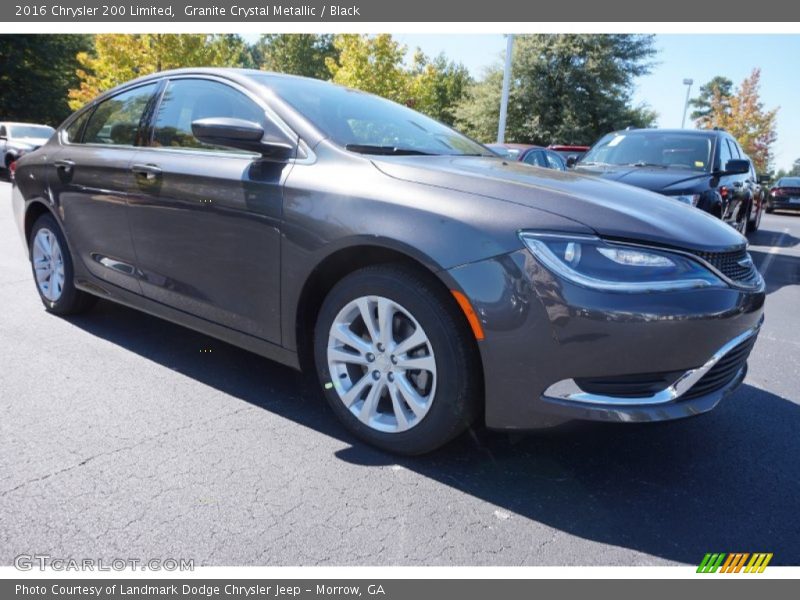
x=569 y=88
x=37 y=72
x=742 y=114
x=117 y=58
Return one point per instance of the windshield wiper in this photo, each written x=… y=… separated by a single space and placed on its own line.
x=387 y=150
x=646 y=164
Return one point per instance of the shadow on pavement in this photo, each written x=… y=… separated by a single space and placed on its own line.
x=724 y=482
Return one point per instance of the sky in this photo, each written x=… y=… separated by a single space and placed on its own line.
x=698 y=57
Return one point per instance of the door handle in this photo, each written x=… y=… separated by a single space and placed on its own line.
x=149 y=172
x=65 y=164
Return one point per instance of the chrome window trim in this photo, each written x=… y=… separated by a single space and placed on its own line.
x=565 y=390
x=91 y=108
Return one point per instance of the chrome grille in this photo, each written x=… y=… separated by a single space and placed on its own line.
x=736 y=266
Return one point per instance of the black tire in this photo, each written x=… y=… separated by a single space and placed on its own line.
x=457 y=398
x=72 y=300
x=770 y=209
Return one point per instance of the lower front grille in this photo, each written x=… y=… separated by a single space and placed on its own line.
x=724 y=372
x=628 y=386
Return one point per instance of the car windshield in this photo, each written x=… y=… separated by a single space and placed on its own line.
x=652 y=148
x=368 y=124
x=788 y=182
x=31 y=131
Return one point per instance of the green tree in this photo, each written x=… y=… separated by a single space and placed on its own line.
x=117 y=58
x=568 y=88
x=37 y=72
x=743 y=115
x=370 y=63
x=437 y=86
x=719 y=86
x=795 y=170
x=298 y=54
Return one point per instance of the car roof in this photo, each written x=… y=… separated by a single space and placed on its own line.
x=674 y=131
x=235 y=74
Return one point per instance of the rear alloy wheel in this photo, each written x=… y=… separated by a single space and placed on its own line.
x=395 y=362
x=753 y=225
x=741 y=220
x=52 y=269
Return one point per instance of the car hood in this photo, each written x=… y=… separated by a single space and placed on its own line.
x=654 y=179
x=610 y=209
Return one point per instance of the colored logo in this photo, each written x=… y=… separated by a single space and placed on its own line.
x=735 y=562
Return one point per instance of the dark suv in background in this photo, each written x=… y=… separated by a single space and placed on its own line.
x=704 y=168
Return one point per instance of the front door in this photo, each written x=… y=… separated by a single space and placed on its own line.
x=205 y=219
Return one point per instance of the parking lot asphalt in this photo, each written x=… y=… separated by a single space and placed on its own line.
x=125 y=436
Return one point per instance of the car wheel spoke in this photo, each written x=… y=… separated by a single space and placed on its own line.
x=415 y=401
x=346 y=336
x=422 y=363
x=417 y=338
x=397 y=408
x=370 y=406
x=355 y=392
x=365 y=309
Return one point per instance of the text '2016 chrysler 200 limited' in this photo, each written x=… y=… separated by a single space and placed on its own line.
x=425 y=280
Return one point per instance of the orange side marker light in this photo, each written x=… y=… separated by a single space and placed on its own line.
x=469 y=312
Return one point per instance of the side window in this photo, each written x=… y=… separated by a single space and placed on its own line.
x=116 y=120
x=724 y=153
x=186 y=100
x=734 y=149
x=554 y=161
x=72 y=134
x=535 y=157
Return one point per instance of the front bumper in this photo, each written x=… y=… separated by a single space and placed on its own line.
x=542 y=334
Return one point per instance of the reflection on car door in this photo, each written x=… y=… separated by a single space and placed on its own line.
x=91 y=179
x=206 y=220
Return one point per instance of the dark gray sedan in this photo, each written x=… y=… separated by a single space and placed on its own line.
x=426 y=281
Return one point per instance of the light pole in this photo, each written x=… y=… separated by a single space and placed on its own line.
x=501 y=125
x=688 y=83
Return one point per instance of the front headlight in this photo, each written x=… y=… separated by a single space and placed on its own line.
x=591 y=262
x=691 y=199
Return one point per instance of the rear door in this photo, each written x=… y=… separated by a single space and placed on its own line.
x=206 y=219
x=91 y=180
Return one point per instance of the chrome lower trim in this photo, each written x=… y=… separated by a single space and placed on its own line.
x=568 y=390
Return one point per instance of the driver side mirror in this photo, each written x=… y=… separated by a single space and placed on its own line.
x=243 y=135
x=572 y=160
x=737 y=166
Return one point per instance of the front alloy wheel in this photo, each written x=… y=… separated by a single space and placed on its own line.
x=382 y=364
x=396 y=359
